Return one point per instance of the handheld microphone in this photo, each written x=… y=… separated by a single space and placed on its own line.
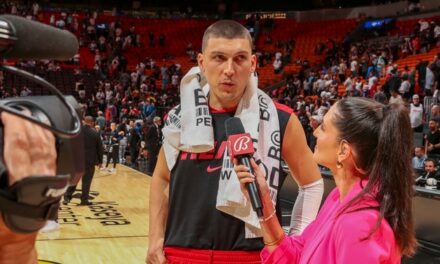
x=241 y=147
x=21 y=38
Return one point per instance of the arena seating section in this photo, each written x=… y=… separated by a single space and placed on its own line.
x=180 y=32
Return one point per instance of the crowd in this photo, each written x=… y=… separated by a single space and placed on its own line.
x=352 y=138
x=132 y=98
x=363 y=70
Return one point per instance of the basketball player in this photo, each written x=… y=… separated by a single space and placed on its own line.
x=185 y=225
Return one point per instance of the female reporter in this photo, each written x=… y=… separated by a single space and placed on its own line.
x=367 y=218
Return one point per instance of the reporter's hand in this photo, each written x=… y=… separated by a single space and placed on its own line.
x=244 y=176
x=155 y=253
x=28 y=150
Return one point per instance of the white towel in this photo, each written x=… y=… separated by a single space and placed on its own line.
x=259 y=117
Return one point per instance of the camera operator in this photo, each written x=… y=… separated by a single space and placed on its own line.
x=28 y=150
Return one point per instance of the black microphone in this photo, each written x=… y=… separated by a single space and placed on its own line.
x=21 y=38
x=241 y=147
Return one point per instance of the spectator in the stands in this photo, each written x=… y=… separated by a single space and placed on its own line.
x=133 y=36
x=111 y=112
x=315 y=122
x=358 y=85
x=25 y=91
x=175 y=81
x=416 y=114
x=380 y=97
x=277 y=66
x=162 y=40
x=414 y=6
x=421 y=72
x=430 y=171
x=354 y=66
x=429 y=80
x=372 y=86
x=100 y=120
x=418 y=161
x=395 y=98
x=393 y=82
x=435 y=112
x=433 y=139
x=404 y=88
x=151 y=39
x=381 y=63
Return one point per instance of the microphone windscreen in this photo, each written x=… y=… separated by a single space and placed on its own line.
x=234 y=126
x=36 y=41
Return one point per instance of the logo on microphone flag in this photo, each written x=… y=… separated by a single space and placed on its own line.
x=240 y=144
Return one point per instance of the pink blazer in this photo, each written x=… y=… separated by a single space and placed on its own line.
x=338 y=239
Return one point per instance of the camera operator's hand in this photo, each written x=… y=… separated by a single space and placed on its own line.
x=28 y=150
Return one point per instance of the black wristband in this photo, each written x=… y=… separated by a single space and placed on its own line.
x=29 y=203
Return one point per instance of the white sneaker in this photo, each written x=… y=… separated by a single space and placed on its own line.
x=102 y=168
x=112 y=170
x=50 y=226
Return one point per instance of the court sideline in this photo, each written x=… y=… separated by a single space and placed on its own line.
x=112 y=230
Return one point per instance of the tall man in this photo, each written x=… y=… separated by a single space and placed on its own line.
x=153 y=141
x=185 y=186
x=92 y=156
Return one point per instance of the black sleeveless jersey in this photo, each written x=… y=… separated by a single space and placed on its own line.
x=193 y=221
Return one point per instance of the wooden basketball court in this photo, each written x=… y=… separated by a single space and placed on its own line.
x=112 y=230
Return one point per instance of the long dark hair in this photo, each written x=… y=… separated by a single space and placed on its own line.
x=381 y=136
